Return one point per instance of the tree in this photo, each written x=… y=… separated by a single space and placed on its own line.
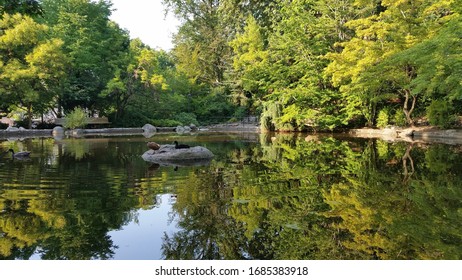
x=31 y=64
x=143 y=75
x=249 y=59
x=94 y=44
x=25 y=7
x=361 y=69
x=296 y=95
x=437 y=65
x=201 y=42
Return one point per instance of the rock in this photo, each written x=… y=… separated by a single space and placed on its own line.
x=58 y=130
x=168 y=155
x=12 y=129
x=193 y=127
x=182 y=129
x=22 y=128
x=149 y=128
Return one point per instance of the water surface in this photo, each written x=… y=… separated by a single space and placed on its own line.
x=287 y=196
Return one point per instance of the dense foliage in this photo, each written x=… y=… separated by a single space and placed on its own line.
x=325 y=64
x=299 y=65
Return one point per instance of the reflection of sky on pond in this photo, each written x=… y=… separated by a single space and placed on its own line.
x=142 y=239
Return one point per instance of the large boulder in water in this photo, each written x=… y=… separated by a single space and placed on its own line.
x=168 y=155
x=149 y=128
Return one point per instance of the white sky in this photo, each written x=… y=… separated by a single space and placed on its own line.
x=145 y=19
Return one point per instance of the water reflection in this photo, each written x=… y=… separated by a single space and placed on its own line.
x=262 y=197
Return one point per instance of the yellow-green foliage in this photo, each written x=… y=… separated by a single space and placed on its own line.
x=76 y=119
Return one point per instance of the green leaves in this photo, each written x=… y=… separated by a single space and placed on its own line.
x=31 y=63
x=93 y=45
x=381 y=61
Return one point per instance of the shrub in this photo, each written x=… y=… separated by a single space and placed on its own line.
x=240 y=112
x=440 y=113
x=165 y=123
x=75 y=119
x=399 y=118
x=186 y=118
x=382 y=118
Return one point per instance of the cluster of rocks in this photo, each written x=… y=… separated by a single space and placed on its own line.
x=147 y=130
x=177 y=129
x=15 y=129
x=23 y=132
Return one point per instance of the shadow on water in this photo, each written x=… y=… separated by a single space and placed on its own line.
x=287 y=196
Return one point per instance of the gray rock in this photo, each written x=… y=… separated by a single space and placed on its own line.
x=149 y=128
x=168 y=155
x=12 y=129
x=57 y=131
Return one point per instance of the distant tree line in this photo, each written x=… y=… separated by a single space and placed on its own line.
x=298 y=65
x=327 y=64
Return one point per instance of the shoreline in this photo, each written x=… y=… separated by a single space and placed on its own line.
x=423 y=134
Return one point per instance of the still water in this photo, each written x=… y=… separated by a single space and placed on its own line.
x=287 y=196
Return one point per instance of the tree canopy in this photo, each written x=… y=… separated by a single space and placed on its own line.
x=298 y=65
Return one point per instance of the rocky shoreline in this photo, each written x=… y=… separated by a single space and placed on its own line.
x=424 y=134
x=147 y=130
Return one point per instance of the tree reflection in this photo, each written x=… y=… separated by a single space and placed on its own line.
x=61 y=205
x=322 y=198
x=207 y=230
x=287 y=196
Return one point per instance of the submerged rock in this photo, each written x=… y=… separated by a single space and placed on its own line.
x=168 y=155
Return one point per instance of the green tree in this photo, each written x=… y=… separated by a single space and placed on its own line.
x=292 y=74
x=249 y=60
x=362 y=70
x=143 y=77
x=25 y=7
x=201 y=43
x=31 y=64
x=93 y=43
x=437 y=63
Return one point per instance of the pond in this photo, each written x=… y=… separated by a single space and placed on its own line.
x=284 y=196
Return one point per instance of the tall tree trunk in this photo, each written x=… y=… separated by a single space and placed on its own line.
x=408 y=111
